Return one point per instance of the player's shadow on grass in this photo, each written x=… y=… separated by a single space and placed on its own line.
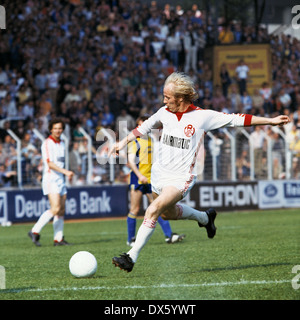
x=266 y=265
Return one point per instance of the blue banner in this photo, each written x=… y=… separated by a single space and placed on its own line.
x=279 y=194
x=83 y=202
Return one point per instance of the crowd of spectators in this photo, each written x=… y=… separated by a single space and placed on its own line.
x=95 y=63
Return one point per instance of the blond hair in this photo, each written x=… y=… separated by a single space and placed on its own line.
x=184 y=86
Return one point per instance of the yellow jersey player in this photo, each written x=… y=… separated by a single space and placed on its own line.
x=140 y=162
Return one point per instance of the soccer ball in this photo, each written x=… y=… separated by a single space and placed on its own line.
x=83 y=264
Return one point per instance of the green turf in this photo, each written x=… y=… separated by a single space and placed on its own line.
x=250 y=258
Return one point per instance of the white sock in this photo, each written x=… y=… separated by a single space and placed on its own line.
x=186 y=212
x=42 y=221
x=58 y=228
x=143 y=235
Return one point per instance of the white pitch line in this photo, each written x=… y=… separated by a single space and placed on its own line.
x=207 y=284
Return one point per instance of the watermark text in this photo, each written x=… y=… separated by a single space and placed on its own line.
x=296 y=19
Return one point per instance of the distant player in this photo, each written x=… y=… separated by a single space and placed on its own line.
x=173 y=172
x=53 y=184
x=140 y=162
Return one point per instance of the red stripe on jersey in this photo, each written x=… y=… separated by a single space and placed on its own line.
x=180 y=114
x=247 y=121
x=188 y=183
x=47 y=150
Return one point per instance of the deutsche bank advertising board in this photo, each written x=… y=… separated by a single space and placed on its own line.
x=89 y=202
x=112 y=201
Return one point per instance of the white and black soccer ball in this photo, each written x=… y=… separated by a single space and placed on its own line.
x=83 y=264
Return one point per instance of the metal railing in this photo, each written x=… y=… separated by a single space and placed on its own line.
x=228 y=161
x=288 y=156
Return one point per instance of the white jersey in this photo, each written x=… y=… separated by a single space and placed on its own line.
x=53 y=151
x=183 y=134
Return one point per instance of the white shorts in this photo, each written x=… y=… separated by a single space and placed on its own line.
x=57 y=187
x=161 y=178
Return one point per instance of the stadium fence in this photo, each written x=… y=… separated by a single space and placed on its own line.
x=227 y=155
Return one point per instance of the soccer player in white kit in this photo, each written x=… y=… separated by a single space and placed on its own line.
x=173 y=171
x=53 y=184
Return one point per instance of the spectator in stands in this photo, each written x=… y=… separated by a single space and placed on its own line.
x=237 y=33
x=225 y=79
x=52 y=85
x=190 y=48
x=24 y=93
x=124 y=123
x=78 y=55
x=148 y=49
x=201 y=43
x=65 y=85
x=243 y=166
x=215 y=145
x=257 y=138
x=218 y=99
x=44 y=105
x=107 y=117
x=173 y=46
x=40 y=81
x=207 y=77
x=75 y=161
x=9 y=106
x=257 y=101
x=3 y=154
x=30 y=158
x=41 y=124
x=19 y=130
x=3 y=77
x=295 y=96
x=3 y=130
x=295 y=149
x=242 y=72
x=246 y=101
x=116 y=103
x=235 y=99
x=284 y=100
x=296 y=116
x=73 y=95
x=9 y=146
x=277 y=154
x=206 y=99
x=29 y=129
x=28 y=110
x=13 y=87
x=266 y=92
x=225 y=158
x=226 y=36
x=6 y=176
x=3 y=91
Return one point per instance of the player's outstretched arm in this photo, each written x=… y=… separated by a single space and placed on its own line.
x=277 y=121
x=116 y=147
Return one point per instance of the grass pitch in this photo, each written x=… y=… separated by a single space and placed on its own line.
x=250 y=258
